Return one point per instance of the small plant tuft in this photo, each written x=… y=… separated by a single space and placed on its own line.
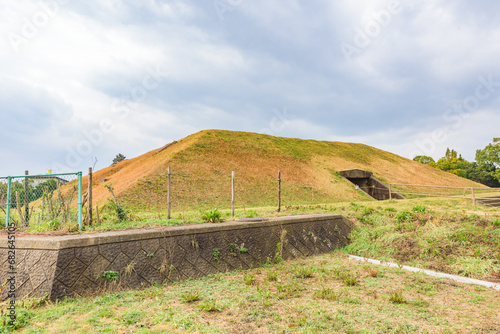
x=190 y=297
x=397 y=297
x=216 y=255
x=212 y=216
x=211 y=306
x=419 y=209
x=327 y=293
x=249 y=279
x=272 y=275
x=110 y=275
x=404 y=216
x=278 y=256
x=304 y=272
x=233 y=249
x=372 y=272
x=350 y=280
x=130 y=268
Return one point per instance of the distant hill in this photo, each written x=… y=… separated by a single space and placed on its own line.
x=202 y=163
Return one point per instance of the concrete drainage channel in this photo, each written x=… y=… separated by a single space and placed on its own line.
x=430 y=273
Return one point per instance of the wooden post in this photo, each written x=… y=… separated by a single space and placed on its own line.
x=90 y=197
x=158 y=197
x=390 y=191
x=232 y=193
x=474 y=198
x=26 y=199
x=168 y=194
x=97 y=214
x=279 y=191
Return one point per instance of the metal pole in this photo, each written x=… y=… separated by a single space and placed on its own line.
x=26 y=205
x=168 y=194
x=80 y=200
x=7 y=214
x=232 y=193
x=90 y=196
x=390 y=191
x=279 y=191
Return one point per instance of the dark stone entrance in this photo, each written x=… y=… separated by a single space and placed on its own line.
x=369 y=184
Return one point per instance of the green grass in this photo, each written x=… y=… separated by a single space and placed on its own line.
x=453 y=241
x=440 y=234
x=321 y=303
x=328 y=293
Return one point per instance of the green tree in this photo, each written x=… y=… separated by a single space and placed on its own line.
x=485 y=170
x=453 y=163
x=119 y=157
x=488 y=160
x=426 y=160
x=482 y=173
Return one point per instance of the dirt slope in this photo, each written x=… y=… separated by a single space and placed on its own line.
x=202 y=163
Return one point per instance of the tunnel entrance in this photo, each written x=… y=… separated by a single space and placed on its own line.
x=369 y=184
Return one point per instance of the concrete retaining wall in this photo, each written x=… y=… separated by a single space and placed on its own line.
x=71 y=265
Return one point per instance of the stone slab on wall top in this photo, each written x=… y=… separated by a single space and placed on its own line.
x=73 y=265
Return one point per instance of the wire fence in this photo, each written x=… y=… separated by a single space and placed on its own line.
x=183 y=190
x=52 y=199
x=482 y=195
x=175 y=190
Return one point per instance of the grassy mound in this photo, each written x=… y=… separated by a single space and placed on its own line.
x=202 y=165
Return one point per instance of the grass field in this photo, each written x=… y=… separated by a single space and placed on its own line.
x=327 y=293
x=324 y=294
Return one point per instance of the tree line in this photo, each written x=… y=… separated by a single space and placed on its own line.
x=485 y=170
x=18 y=189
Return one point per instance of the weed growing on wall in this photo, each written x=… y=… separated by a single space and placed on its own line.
x=110 y=275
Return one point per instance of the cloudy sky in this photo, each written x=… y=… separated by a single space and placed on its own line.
x=81 y=80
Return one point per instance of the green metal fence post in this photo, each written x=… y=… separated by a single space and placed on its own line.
x=80 y=206
x=7 y=213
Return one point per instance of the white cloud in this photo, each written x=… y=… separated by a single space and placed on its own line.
x=265 y=55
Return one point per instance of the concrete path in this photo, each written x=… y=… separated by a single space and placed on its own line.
x=430 y=273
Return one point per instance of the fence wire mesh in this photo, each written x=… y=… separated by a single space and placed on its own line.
x=418 y=191
x=195 y=190
x=49 y=199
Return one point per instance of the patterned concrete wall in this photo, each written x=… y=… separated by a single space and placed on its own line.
x=74 y=265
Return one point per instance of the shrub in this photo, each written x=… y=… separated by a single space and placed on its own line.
x=212 y=216
x=114 y=205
